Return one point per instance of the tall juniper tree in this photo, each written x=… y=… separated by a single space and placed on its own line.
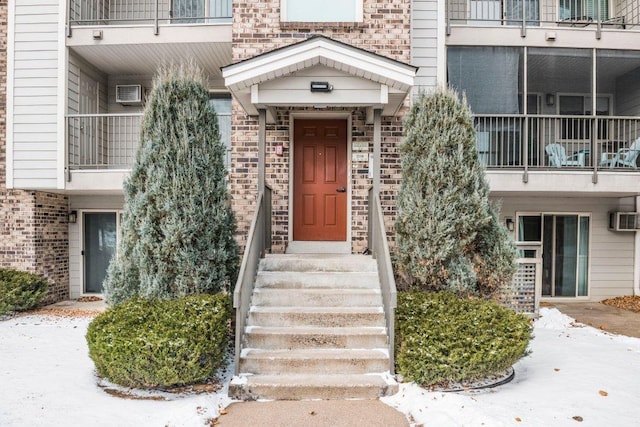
x=448 y=233
x=178 y=227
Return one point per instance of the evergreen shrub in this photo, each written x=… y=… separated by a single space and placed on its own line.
x=178 y=229
x=161 y=343
x=20 y=290
x=447 y=233
x=442 y=339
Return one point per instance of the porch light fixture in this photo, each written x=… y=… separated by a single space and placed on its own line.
x=321 y=87
x=73 y=217
x=551 y=99
x=509 y=223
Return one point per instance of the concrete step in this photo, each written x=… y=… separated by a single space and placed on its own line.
x=317 y=361
x=319 y=262
x=316 y=316
x=317 y=280
x=317 y=297
x=298 y=387
x=286 y=338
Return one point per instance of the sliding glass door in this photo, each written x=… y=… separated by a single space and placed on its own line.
x=565 y=251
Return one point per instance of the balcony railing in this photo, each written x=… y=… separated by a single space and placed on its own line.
x=570 y=142
x=599 y=14
x=102 y=141
x=148 y=12
x=110 y=141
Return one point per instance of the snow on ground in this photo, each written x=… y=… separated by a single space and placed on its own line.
x=570 y=365
x=47 y=378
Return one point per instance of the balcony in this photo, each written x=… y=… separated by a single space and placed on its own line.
x=101 y=148
x=558 y=142
x=102 y=141
x=134 y=37
x=151 y=13
x=564 y=155
x=594 y=14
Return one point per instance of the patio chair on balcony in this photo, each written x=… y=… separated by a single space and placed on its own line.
x=625 y=157
x=558 y=156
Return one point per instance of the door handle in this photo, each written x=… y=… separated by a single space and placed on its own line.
x=341 y=190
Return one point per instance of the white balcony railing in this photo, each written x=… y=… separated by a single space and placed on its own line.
x=110 y=141
x=599 y=14
x=102 y=141
x=570 y=142
x=147 y=12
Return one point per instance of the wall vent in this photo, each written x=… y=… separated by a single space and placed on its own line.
x=129 y=94
x=623 y=221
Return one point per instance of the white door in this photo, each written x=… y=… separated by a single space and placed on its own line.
x=90 y=141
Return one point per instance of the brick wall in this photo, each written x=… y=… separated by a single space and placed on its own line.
x=385 y=30
x=33 y=224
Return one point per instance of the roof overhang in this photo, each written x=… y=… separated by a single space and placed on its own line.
x=282 y=78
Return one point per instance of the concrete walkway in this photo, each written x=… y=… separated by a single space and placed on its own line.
x=312 y=413
x=75 y=305
x=605 y=317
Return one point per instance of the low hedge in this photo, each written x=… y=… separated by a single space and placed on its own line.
x=161 y=343
x=442 y=339
x=20 y=290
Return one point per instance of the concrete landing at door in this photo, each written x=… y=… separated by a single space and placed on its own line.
x=301 y=247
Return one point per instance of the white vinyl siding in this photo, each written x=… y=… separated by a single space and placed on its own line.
x=611 y=254
x=34 y=118
x=424 y=43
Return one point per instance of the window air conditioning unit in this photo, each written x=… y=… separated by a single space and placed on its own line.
x=129 y=94
x=624 y=221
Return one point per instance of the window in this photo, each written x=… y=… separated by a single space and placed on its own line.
x=515 y=9
x=221 y=103
x=194 y=11
x=187 y=11
x=565 y=251
x=583 y=10
x=321 y=10
x=580 y=105
x=510 y=12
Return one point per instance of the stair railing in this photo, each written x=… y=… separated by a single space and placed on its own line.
x=258 y=242
x=379 y=248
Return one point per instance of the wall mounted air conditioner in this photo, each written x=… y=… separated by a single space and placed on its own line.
x=129 y=94
x=624 y=221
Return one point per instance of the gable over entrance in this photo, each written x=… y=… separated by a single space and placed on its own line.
x=348 y=77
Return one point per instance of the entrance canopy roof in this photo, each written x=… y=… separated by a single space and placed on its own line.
x=348 y=77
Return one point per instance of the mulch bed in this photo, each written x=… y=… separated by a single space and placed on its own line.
x=631 y=303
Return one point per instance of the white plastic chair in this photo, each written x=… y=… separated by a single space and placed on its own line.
x=558 y=156
x=626 y=157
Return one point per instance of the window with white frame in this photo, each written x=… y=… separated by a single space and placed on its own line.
x=321 y=10
x=221 y=103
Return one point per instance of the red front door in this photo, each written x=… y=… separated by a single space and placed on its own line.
x=320 y=180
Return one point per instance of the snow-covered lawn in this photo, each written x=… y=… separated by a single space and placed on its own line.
x=47 y=378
